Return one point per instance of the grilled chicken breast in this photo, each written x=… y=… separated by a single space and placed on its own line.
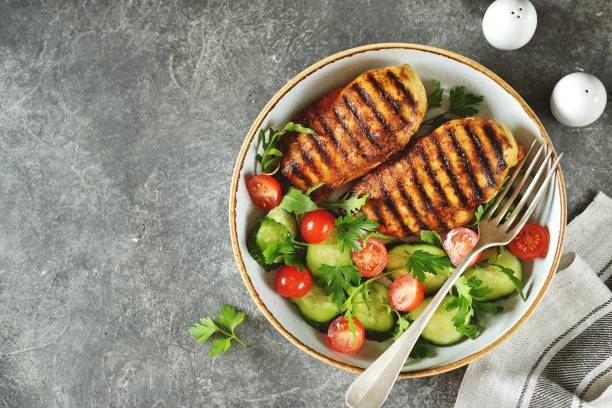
x=441 y=179
x=359 y=127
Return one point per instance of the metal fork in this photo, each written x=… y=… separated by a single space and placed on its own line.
x=371 y=388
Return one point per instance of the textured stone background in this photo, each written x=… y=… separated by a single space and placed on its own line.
x=119 y=125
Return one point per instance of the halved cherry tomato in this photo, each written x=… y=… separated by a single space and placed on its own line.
x=292 y=283
x=458 y=243
x=372 y=258
x=406 y=293
x=532 y=242
x=340 y=337
x=265 y=191
x=316 y=226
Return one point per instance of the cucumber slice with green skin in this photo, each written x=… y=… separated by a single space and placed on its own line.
x=317 y=307
x=440 y=330
x=265 y=232
x=285 y=218
x=432 y=282
x=492 y=277
x=375 y=315
x=396 y=263
x=327 y=253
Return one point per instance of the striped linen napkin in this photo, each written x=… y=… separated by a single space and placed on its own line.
x=562 y=355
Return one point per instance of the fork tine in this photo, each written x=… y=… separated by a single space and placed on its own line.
x=534 y=202
x=502 y=212
x=503 y=193
x=523 y=201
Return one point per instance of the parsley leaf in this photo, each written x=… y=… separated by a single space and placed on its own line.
x=420 y=262
x=487 y=307
x=402 y=325
x=434 y=98
x=463 y=303
x=224 y=326
x=462 y=102
x=350 y=204
x=431 y=237
x=270 y=159
x=353 y=229
x=297 y=202
x=337 y=279
x=421 y=349
x=312 y=189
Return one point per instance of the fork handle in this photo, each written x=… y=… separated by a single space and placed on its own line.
x=371 y=388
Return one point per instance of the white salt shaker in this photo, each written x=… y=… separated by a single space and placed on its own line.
x=509 y=24
x=578 y=99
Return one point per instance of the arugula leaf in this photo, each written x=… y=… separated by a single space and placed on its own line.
x=421 y=262
x=224 y=326
x=337 y=279
x=350 y=204
x=311 y=189
x=270 y=159
x=518 y=285
x=431 y=237
x=434 y=98
x=297 y=202
x=353 y=229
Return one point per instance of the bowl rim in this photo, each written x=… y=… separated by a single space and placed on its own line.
x=247 y=144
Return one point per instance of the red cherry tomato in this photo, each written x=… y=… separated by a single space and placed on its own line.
x=406 y=293
x=292 y=283
x=532 y=242
x=316 y=226
x=372 y=258
x=340 y=337
x=458 y=243
x=265 y=191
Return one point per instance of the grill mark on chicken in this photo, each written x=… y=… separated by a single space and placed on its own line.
x=484 y=161
x=362 y=125
x=466 y=164
x=294 y=171
x=368 y=101
x=349 y=134
x=329 y=132
x=423 y=194
x=499 y=154
x=322 y=152
x=409 y=204
x=432 y=176
x=388 y=99
x=377 y=215
x=312 y=165
x=449 y=172
x=390 y=203
x=400 y=85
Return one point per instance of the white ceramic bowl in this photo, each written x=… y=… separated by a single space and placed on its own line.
x=501 y=102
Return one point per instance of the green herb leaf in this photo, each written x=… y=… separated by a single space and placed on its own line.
x=462 y=102
x=353 y=229
x=421 y=262
x=401 y=326
x=270 y=159
x=224 y=327
x=350 y=204
x=434 y=98
x=314 y=188
x=421 y=349
x=476 y=290
x=487 y=307
x=203 y=330
x=220 y=346
x=431 y=237
x=337 y=279
x=518 y=285
x=297 y=202
x=469 y=330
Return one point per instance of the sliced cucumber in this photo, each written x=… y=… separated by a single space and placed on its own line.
x=285 y=218
x=265 y=232
x=327 y=253
x=374 y=315
x=440 y=330
x=317 y=307
x=492 y=277
x=398 y=256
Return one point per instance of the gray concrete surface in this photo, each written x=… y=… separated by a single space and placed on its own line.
x=119 y=125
